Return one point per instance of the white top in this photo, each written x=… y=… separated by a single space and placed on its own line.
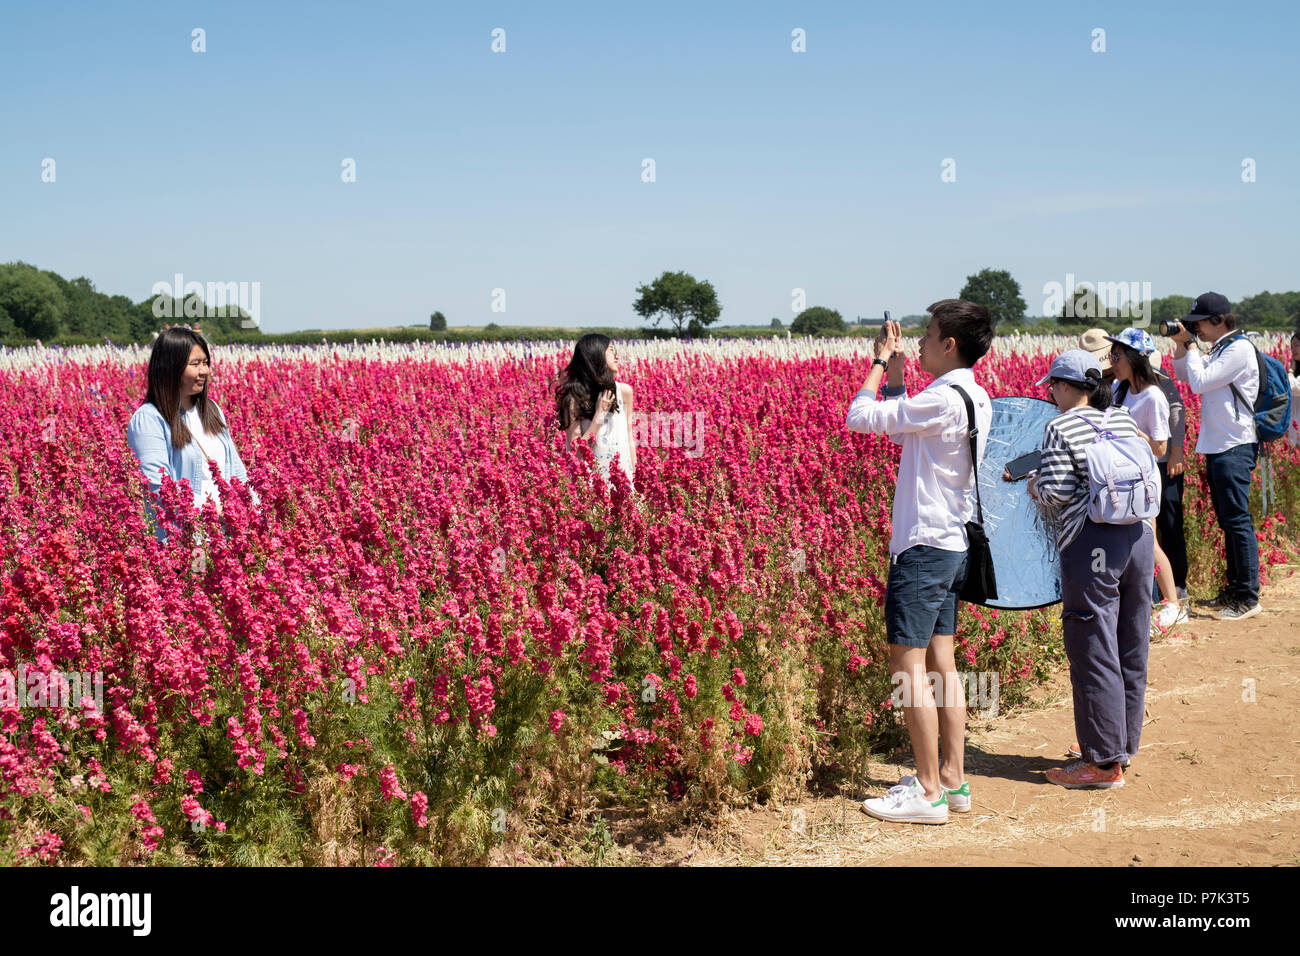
x=613 y=438
x=1225 y=422
x=1293 y=433
x=935 y=493
x=1150 y=409
x=211 y=445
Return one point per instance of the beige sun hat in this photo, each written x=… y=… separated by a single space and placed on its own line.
x=1095 y=341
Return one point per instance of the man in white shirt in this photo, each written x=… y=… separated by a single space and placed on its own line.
x=933 y=499
x=1228 y=382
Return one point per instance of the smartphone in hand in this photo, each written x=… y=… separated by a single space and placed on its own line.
x=1018 y=468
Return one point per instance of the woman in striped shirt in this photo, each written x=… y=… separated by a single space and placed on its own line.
x=1106 y=572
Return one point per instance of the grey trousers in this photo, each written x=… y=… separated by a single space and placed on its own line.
x=1106 y=616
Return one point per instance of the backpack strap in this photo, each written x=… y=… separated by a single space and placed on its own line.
x=972 y=431
x=1116 y=446
x=1101 y=432
x=1239 y=400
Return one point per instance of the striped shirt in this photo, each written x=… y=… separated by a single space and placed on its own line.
x=1061 y=487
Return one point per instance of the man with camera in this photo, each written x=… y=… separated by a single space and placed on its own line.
x=1227 y=380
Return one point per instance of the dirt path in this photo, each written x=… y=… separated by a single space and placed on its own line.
x=1215 y=780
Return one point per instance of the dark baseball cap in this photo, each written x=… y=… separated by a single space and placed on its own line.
x=1208 y=304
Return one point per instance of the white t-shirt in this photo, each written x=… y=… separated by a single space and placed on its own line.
x=1150 y=409
x=211 y=445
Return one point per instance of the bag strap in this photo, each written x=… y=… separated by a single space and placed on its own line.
x=1238 y=400
x=1100 y=431
x=199 y=445
x=1109 y=434
x=973 y=432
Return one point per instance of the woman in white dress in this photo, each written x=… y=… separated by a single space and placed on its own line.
x=592 y=404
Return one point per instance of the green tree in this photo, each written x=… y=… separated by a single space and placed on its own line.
x=999 y=293
x=33 y=300
x=818 y=320
x=776 y=323
x=1084 y=309
x=1268 y=310
x=437 y=322
x=1169 y=307
x=685 y=301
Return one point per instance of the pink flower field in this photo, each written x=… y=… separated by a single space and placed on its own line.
x=438 y=632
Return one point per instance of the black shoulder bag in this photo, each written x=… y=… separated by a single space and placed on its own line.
x=981 y=583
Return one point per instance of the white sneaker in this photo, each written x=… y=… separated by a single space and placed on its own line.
x=906 y=803
x=1170 y=613
x=958 y=800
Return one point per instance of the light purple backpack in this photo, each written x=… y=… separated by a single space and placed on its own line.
x=1123 y=478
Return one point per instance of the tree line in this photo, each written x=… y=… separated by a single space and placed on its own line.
x=41 y=305
x=38 y=304
x=1089 y=306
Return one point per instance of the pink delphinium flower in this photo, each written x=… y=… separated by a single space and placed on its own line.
x=419 y=806
x=389 y=788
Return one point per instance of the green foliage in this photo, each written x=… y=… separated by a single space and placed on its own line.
x=40 y=304
x=1269 y=310
x=689 y=304
x=1169 y=307
x=999 y=293
x=818 y=320
x=33 y=300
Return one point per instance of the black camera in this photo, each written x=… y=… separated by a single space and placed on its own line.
x=1173 y=327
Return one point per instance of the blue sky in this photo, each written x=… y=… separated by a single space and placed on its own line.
x=521 y=170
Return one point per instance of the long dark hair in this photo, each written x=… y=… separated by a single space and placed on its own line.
x=1144 y=376
x=167 y=363
x=1295 y=363
x=585 y=379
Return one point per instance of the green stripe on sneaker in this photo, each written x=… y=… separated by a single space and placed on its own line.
x=962 y=791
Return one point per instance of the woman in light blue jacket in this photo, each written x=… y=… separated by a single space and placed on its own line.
x=179 y=430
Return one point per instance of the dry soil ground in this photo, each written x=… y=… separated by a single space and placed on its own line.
x=1214 y=783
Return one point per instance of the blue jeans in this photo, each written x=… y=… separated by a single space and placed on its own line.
x=1229 y=473
x=921 y=594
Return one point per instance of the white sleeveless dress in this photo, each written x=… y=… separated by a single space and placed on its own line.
x=613 y=438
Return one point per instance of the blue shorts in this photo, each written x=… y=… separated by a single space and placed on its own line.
x=921 y=594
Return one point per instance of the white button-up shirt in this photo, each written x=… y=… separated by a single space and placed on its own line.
x=935 y=493
x=1225 y=421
